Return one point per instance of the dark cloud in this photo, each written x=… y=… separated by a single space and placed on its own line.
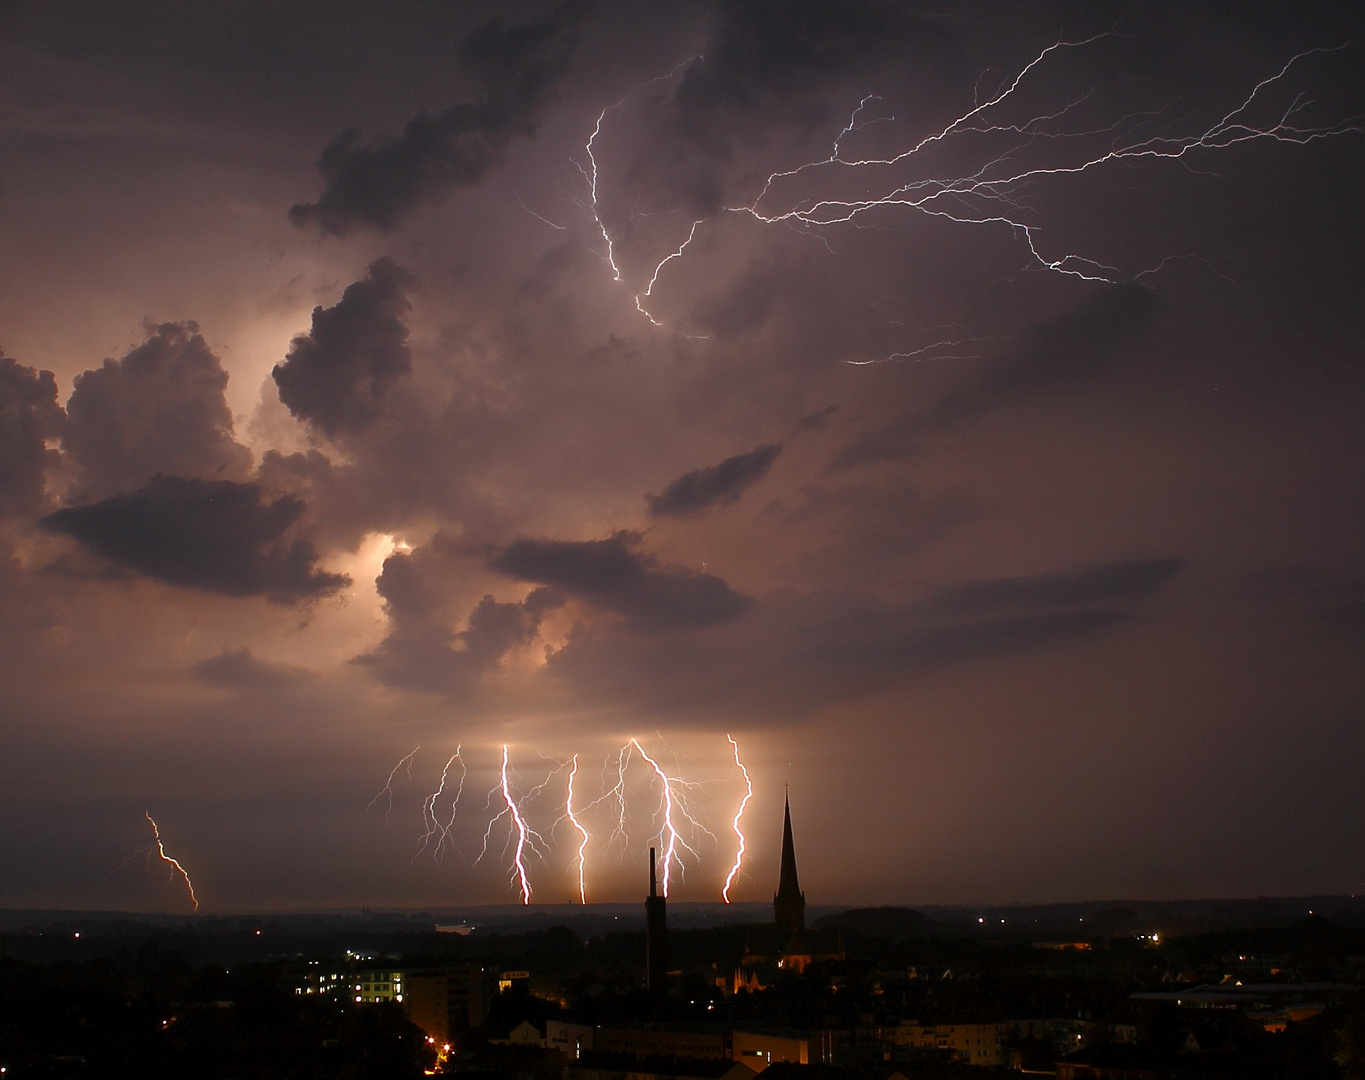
x=160 y=409
x=29 y=415
x=613 y=575
x=985 y=618
x=818 y=420
x=764 y=75
x=214 y=535
x=1060 y=355
x=801 y=652
x=716 y=485
x=240 y=669
x=1106 y=583
x=377 y=183
x=337 y=375
x=773 y=46
x=878 y=649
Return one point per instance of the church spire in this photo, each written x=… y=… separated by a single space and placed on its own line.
x=789 y=902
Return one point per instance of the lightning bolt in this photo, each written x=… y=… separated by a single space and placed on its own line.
x=673 y=799
x=518 y=857
x=387 y=789
x=748 y=794
x=161 y=854
x=573 y=820
x=991 y=193
x=649 y=289
x=590 y=174
x=996 y=185
x=616 y=792
x=430 y=823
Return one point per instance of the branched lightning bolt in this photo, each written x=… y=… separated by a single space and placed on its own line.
x=430 y=823
x=616 y=792
x=387 y=789
x=521 y=837
x=748 y=794
x=993 y=192
x=518 y=857
x=990 y=196
x=673 y=799
x=590 y=174
x=161 y=854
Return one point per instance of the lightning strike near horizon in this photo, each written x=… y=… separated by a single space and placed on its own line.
x=583 y=845
x=991 y=192
x=161 y=854
x=748 y=794
x=518 y=857
x=672 y=800
x=387 y=789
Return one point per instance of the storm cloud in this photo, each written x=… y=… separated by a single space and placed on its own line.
x=29 y=416
x=214 y=535
x=1062 y=355
x=614 y=575
x=159 y=409
x=337 y=376
x=1106 y=583
x=716 y=485
x=379 y=182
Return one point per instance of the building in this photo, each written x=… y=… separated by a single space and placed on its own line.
x=655 y=1043
x=571 y=1040
x=447 y=1002
x=789 y=946
x=789 y=902
x=656 y=935
x=758 y=1051
x=373 y=986
x=331 y=980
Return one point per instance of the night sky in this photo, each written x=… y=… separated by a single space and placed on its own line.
x=959 y=405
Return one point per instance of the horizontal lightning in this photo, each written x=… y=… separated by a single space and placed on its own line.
x=992 y=193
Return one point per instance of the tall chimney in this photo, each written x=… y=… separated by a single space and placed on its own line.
x=656 y=935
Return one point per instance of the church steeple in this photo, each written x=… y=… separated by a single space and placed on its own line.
x=789 y=902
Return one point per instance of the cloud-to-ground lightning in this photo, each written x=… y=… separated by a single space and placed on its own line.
x=992 y=190
x=522 y=838
x=672 y=800
x=583 y=844
x=675 y=815
x=748 y=794
x=387 y=789
x=174 y=864
x=669 y=832
x=519 y=854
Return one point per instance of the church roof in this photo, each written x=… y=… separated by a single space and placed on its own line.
x=788 y=887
